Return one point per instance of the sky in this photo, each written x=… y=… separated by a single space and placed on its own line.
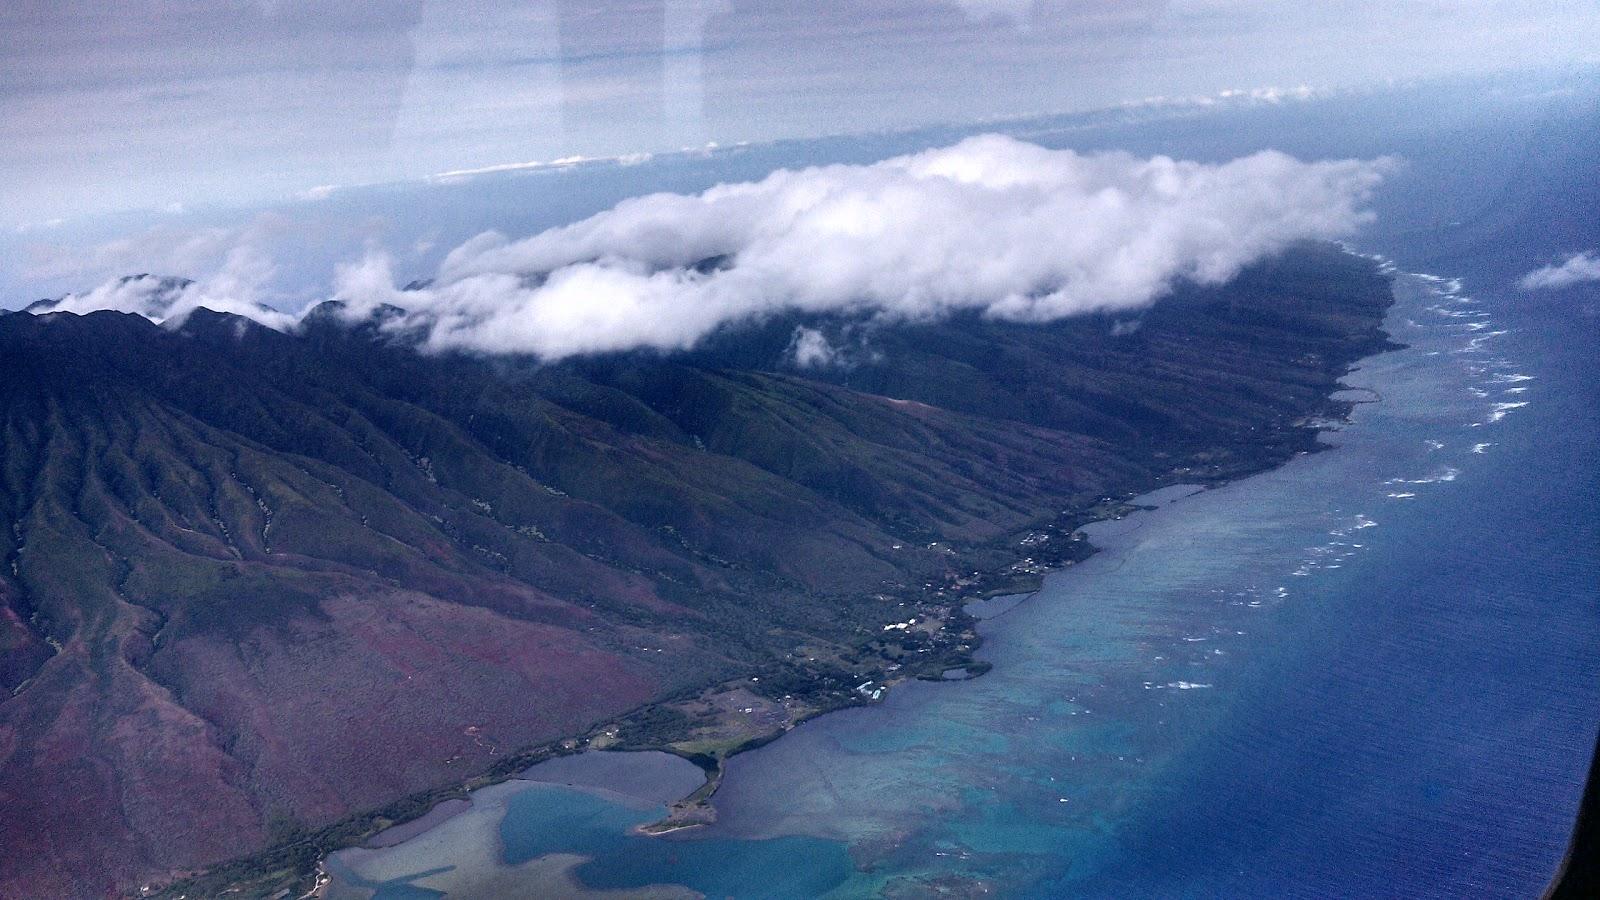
x=559 y=173
x=154 y=104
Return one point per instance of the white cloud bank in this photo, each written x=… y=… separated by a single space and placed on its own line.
x=1575 y=269
x=990 y=224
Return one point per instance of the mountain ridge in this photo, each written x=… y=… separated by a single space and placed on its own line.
x=295 y=576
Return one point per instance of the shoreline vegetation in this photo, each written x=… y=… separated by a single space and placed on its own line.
x=709 y=726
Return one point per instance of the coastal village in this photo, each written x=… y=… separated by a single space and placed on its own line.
x=934 y=641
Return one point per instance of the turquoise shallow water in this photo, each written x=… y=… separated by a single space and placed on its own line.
x=548 y=820
x=1369 y=673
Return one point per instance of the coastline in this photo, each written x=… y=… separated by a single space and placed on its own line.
x=300 y=868
x=695 y=810
x=304 y=863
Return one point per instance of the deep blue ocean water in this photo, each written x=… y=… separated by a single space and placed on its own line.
x=1374 y=672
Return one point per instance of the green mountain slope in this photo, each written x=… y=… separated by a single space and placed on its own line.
x=256 y=580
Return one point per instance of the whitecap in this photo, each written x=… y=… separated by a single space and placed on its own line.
x=1475 y=345
x=1448 y=473
x=1501 y=409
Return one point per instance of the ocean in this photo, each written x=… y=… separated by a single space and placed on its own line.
x=1373 y=672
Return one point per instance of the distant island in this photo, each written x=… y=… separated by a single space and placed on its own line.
x=274 y=592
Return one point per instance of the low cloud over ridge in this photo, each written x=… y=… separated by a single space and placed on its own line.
x=232 y=288
x=990 y=224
